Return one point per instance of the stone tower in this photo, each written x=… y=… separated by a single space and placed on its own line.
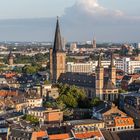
x=10 y=58
x=94 y=43
x=99 y=79
x=51 y=64
x=57 y=56
x=112 y=70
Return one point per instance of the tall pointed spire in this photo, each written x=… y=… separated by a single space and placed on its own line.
x=57 y=41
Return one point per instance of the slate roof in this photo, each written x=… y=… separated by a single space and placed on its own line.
x=81 y=80
x=102 y=108
x=78 y=79
x=127 y=77
x=21 y=134
x=122 y=135
x=38 y=109
x=57 y=41
x=85 y=121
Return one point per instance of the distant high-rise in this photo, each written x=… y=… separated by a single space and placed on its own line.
x=57 y=56
x=94 y=43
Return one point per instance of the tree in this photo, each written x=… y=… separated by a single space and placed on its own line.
x=71 y=96
x=95 y=101
x=85 y=103
x=69 y=100
x=122 y=91
x=29 y=69
x=47 y=82
x=31 y=118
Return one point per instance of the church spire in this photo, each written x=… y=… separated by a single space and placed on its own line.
x=57 y=41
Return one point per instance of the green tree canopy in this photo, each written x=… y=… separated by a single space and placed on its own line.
x=31 y=118
x=95 y=101
x=71 y=96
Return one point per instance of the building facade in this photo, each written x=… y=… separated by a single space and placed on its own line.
x=98 y=84
x=126 y=64
x=46 y=115
x=94 y=43
x=79 y=67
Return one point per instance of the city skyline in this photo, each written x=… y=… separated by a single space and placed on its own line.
x=80 y=20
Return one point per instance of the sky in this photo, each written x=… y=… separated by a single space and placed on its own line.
x=80 y=20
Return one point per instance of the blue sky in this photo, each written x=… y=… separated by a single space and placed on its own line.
x=128 y=6
x=80 y=20
x=50 y=8
x=32 y=8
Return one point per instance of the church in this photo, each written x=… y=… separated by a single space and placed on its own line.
x=98 y=84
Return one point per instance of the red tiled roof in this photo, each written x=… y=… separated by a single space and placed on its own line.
x=9 y=75
x=8 y=93
x=59 y=136
x=123 y=121
x=88 y=135
x=39 y=134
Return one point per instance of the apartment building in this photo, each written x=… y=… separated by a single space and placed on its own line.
x=46 y=115
x=126 y=64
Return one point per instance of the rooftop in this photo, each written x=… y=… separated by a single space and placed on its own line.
x=123 y=121
x=122 y=135
x=59 y=136
x=86 y=121
x=88 y=135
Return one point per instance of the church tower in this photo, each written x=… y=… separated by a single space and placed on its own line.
x=10 y=58
x=94 y=43
x=112 y=70
x=57 y=56
x=99 y=79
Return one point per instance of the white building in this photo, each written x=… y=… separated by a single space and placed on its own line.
x=126 y=64
x=73 y=47
x=138 y=45
x=87 y=67
x=35 y=102
x=80 y=67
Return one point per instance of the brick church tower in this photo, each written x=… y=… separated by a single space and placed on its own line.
x=112 y=70
x=57 y=56
x=99 y=79
x=10 y=58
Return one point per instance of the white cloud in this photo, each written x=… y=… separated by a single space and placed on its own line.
x=80 y=22
x=93 y=7
x=87 y=18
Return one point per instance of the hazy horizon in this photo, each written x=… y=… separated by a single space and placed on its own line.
x=80 y=20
